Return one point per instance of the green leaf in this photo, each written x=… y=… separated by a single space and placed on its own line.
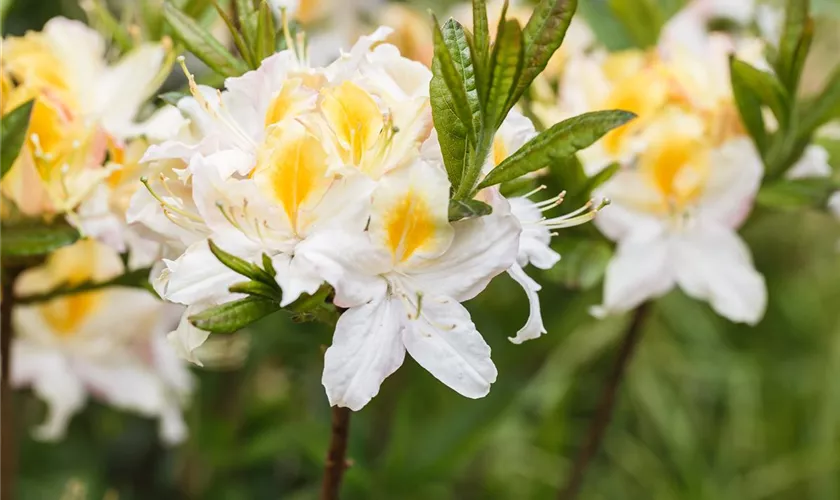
x=257 y=288
x=241 y=266
x=602 y=177
x=794 y=43
x=468 y=209
x=195 y=8
x=266 y=33
x=542 y=36
x=245 y=15
x=452 y=133
x=33 y=239
x=453 y=53
x=764 y=86
x=824 y=108
x=13 y=127
x=506 y=66
x=797 y=194
x=268 y=265
x=643 y=20
x=481 y=45
x=233 y=316
x=562 y=140
x=749 y=104
x=201 y=42
x=238 y=40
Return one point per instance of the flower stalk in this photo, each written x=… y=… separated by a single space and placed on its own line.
x=606 y=405
x=8 y=444
x=336 y=456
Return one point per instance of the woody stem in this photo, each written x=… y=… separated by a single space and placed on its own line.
x=336 y=456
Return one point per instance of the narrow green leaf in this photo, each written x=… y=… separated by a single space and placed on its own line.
x=642 y=19
x=825 y=107
x=201 y=42
x=601 y=177
x=749 y=105
x=506 y=66
x=797 y=194
x=455 y=64
x=765 y=87
x=481 y=46
x=13 y=127
x=233 y=316
x=560 y=141
x=268 y=265
x=245 y=13
x=108 y=23
x=542 y=36
x=790 y=44
x=243 y=48
x=194 y=8
x=468 y=209
x=266 y=33
x=452 y=132
x=241 y=266
x=257 y=288
x=33 y=239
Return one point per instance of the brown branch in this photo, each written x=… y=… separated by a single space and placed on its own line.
x=8 y=446
x=601 y=420
x=336 y=461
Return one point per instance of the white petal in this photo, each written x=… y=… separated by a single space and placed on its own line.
x=534 y=326
x=349 y=262
x=639 y=270
x=123 y=88
x=198 y=276
x=444 y=341
x=715 y=265
x=52 y=379
x=366 y=349
x=123 y=383
x=733 y=182
x=481 y=249
x=812 y=163
x=295 y=276
x=186 y=338
x=535 y=238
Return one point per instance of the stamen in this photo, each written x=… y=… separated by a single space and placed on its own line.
x=535 y=191
x=580 y=216
x=167 y=205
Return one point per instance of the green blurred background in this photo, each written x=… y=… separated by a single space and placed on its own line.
x=708 y=409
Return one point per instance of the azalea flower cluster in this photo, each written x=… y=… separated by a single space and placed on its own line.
x=78 y=160
x=334 y=175
x=688 y=169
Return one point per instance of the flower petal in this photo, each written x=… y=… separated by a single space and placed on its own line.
x=366 y=349
x=715 y=265
x=187 y=338
x=52 y=379
x=444 y=341
x=198 y=276
x=295 y=276
x=640 y=270
x=481 y=249
x=349 y=262
x=534 y=326
x=733 y=182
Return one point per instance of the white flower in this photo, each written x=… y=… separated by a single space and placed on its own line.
x=107 y=343
x=402 y=282
x=286 y=152
x=812 y=163
x=674 y=213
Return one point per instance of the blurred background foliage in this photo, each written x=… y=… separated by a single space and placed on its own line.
x=708 y=410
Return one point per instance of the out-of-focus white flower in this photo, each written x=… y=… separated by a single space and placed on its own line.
x=80 y=102
x=285 y=152
x=102 y=215
x=107 y=343
x=813 y=163
x=674 y=213
x=402 y=282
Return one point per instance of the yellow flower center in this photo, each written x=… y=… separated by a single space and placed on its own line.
x=292 y=169
x=409 y=226
x=678 y=167
x=354 y=118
